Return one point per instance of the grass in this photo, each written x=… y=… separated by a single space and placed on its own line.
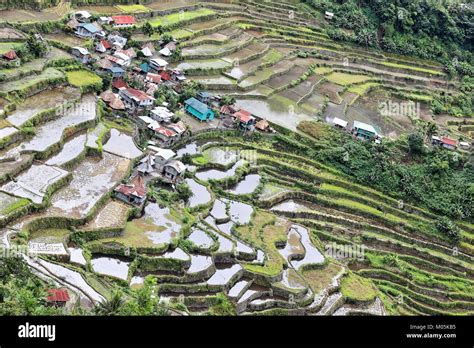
x=354 y=288
x=414 y=68
x=272 y=57
x=322 y=70
x=320 y=279
x=317 y=130
x=363 y=88
x=181 y=34
x=7 y=46
x=82 y=78
x=31 y=80
x=53 y=234
x=9 y=204
x=263 y=232
x=133 y=8
x=175 y=18
x=344 y=79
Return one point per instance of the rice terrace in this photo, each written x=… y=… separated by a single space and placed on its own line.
x=236 y=157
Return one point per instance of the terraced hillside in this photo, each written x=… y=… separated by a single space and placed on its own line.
x=268 y=223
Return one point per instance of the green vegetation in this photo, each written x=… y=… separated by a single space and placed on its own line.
x=344 y=79
x=133 y=8
x=357 y=289
x=84 y=79
x=176 y=18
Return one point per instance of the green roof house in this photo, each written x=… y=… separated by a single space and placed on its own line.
x=363 y=130
x=199 y=110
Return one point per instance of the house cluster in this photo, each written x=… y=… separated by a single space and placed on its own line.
x=162 y=163
x=158 y=163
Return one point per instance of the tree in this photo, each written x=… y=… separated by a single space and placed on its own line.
x=227 y=100
x=184 y=191
x=448 y=228
x=148 y=29
x=166 y=38
x=111 y=306
x=36 y=47
x=415 y=143
x=366 y=36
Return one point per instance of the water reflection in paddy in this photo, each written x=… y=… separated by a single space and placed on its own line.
x=201 y=194
x=224 y=274
x=111 y=267
x=201 y=239
x=216 y=174
x=246 y=186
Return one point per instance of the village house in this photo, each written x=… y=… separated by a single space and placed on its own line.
x=148 y=50
x=444 y=142
x=147 y=165
x=11 y=56
x=262 y=125
x=165 y=76
x=168 y=49
x=119 y=83
x=130 y=52
x=117 y=41
x=165 y=135
x=174 y=171
x=135 y=99
x=364 y=131
x=72 y=24
x=123 y=21
x=89 y=30
x=204 y=97
x=57 y=297
x=133 y=192
x=158 y=64
x=464 y=145
x=155 y=78
x=103 y=46
x=339 y=123
x=112 y=100
x=161 y=156
x=245 y=119
x=198 y=109
x=116 y=71
x=105 y=20
x=82 y=54
x=179 y=128
x=124 y=60
x=178 y=75
x=328 y=15
x=161 y=114
x=82 y=16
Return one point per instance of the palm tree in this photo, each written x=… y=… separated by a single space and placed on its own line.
x=111 y=306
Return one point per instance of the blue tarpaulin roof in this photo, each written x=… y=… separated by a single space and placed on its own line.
x=90 y=27
x=116 y=70
x=145 y=67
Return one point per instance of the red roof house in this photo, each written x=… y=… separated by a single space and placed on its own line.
x=244 y=116
x=133 y=192
x=165 y=75
x=118 y=83
x=123 y=20
x=10 y=55
x=449 y=143
x=57 y=296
